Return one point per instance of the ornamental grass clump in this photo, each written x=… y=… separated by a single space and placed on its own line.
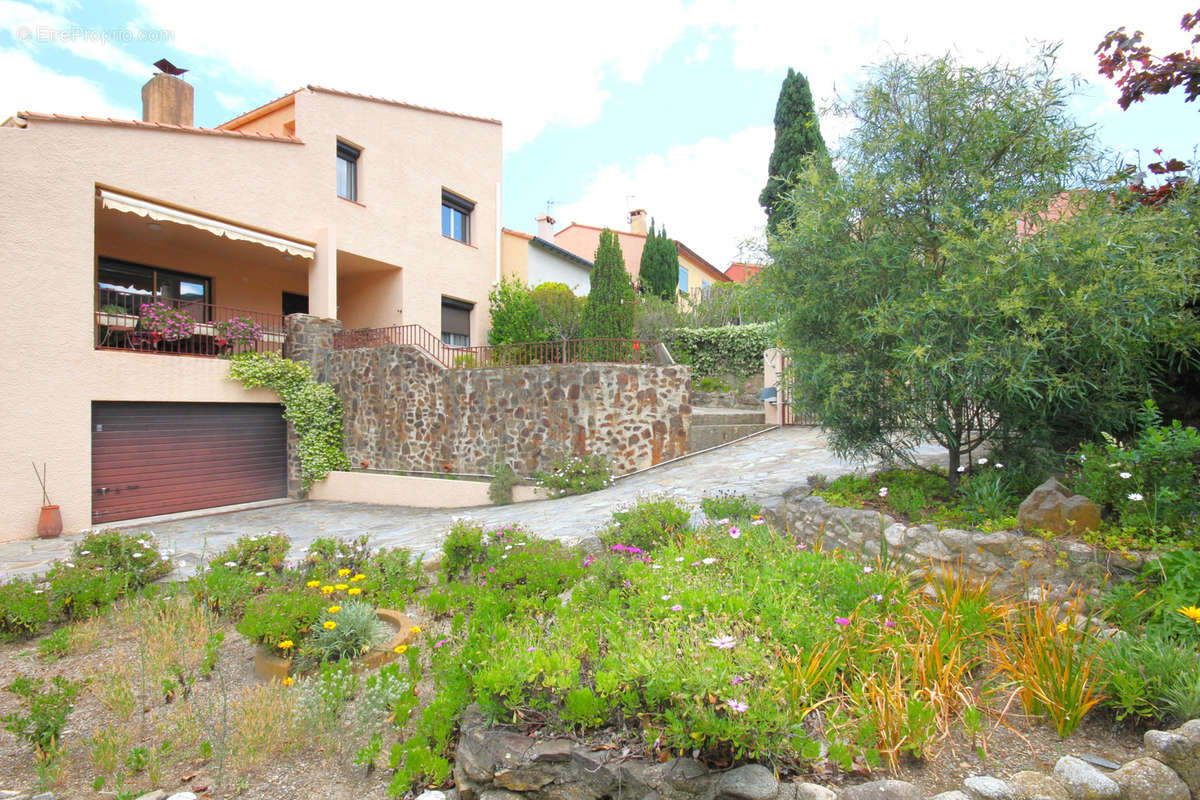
x=344 y=631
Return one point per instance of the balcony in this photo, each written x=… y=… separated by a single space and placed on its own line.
x=149 y=324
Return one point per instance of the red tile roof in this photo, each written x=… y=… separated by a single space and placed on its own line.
x=277 y=103
x=683 y=248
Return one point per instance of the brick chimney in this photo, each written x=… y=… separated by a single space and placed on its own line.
x=167 y=99
x=637 y=221
x=546 y=227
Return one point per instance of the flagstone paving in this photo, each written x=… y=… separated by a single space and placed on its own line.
x=761 y=467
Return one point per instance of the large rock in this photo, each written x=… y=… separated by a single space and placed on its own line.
x=686 y=775
x=813 y=791
x=1180 y=750
x=1039 y=786
x=1149 y=777
x=1052 y=507
x=882 y=790
x=524 y=779
x=749 y=782
x=985 y=787
x=1085 y=782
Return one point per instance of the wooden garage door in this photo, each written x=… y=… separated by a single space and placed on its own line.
x=159 y=458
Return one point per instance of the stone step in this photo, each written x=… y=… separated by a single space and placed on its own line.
x=702 y=415
x=702 y=437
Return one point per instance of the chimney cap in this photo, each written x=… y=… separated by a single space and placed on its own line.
x=546 y=217
x=637 y=212
x=169 y=68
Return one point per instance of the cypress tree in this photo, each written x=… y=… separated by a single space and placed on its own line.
x=608 y=312
x=659 y=270
x=797 y=135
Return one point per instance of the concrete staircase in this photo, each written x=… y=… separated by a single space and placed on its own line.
x=717 y=426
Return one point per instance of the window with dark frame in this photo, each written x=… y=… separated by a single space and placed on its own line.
x=347 y=171
x=456 y=322
x=129 y=285
x=456 y=217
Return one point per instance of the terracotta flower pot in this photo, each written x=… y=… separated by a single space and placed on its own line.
x=268 y=666
x=49 y=523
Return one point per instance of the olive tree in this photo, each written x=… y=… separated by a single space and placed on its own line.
x=944 y=287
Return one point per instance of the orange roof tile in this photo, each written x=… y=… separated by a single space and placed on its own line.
x=517 y=233
x=165 y=126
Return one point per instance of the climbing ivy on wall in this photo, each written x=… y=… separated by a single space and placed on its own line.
x=313 y=408
x=735 y=349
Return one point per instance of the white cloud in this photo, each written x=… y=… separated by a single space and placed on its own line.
x=706 y=193
x=28 y=86
x=34 y=28
x=233 y=102
x=700 y=54
x=529 y=64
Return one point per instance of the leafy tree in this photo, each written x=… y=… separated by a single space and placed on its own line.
x=797 y=139
x=1138 y=72
x=513 y=312
x=918 y=310
x=608 y=311
x=659 y=270
x=560 y=312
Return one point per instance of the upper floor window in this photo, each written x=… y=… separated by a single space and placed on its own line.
x=347 y=171
x=683 y=278
x=456 y=217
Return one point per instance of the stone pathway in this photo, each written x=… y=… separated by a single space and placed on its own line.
x=761 y=467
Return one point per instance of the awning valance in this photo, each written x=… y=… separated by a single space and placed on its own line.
x=161 y=213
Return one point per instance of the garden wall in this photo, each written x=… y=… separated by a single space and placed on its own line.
x=404 y=411
x=1013 y=562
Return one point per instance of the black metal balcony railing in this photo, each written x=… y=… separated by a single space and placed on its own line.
x=565 y=351
x=142 y=322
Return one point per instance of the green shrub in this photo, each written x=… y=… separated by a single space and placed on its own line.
x=736 y=349
x=329 y=555
x=727 y=505
x=393 y=577
x=84 y=592
x=985 y=495
x=463 y=547
x=282 y=616
x=135 y=556
x=514 y=314
x=265 y=553
x=1141 y=671
x=648 y=523
x=55 y=645
x=576 y=475
x=500 y=490
x=226 y=590
x=1151 y=484
x=349 y=632
x=26 y=608
x=46 y=712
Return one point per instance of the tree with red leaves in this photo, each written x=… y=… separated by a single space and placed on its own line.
x=1138 y=72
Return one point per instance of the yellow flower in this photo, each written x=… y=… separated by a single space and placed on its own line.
x=343 y=572
x=330 y=624
x=326 y=589
x=334 y=609
x=415 y=629
x=285 y=644
x=1191 y=612
x=354 y=590
x=313 y=584
x=358 y=577
x=400 y=648
x=1062 y=627
x=341 y=587
x=289 y=680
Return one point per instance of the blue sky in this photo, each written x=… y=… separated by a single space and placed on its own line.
x=659 y=104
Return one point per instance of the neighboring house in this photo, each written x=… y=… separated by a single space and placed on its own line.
x=739 y=272
x=695 y=274
x=537 y=259
x=340 y=205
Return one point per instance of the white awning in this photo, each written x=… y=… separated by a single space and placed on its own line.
x=144 y=208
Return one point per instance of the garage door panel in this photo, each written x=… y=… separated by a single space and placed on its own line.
x=159 y=458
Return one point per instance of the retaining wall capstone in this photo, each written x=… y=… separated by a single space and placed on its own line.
x=1015 y=564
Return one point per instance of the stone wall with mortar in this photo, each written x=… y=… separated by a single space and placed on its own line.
x=1014 y=563
x=404 y=411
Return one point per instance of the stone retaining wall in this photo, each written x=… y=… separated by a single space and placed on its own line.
x=403 y=410
x=1013 y=562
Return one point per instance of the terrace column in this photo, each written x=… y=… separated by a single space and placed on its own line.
x=322 y=276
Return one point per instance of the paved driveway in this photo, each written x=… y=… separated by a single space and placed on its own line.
x=761 y=467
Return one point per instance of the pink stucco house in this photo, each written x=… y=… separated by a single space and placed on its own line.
x=339 y=205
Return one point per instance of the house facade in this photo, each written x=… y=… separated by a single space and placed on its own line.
x=695 y=273
x=138 y=251
x=537 y=259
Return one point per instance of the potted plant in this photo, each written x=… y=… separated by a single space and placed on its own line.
x=162 y=321
x=239 y=333
x=50 y=520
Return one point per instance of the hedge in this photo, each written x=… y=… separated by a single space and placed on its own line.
x=732 y=349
